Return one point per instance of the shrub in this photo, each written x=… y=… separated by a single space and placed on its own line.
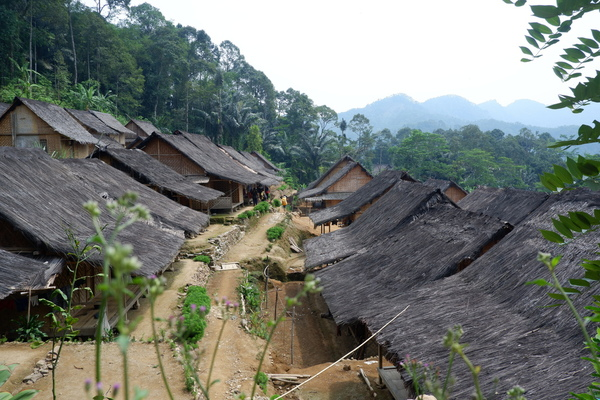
x=275 y=232
x=202 y=258
x=262 y=207
x=30 y=330
x=276 y=203
x=247 y=214
x=195 y=307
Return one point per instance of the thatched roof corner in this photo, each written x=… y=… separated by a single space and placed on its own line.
x=91 y=122
x=142 y=128
x=114 y=124
x=343 y=166
x=3 y=108
x=19 y=273
x=56 y=117
x=268 y=164
x=250 y=162
x=367 y=194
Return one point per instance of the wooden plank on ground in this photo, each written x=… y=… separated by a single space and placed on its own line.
x=392 y=380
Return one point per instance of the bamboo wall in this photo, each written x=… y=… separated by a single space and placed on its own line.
x=351 y=182
x=171 y=157
x=454 y=194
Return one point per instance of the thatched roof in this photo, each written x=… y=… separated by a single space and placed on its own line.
x=114 y=124
x=329 y=178
x=3 y=107
x=148 y=170
x=109 y=181
x=443 y=185
x=19 y=273
x=247 y=160
x=200 y=150
x=510 y=331
x=91 y=122
x=57 y=118
x=367 y=194
x=405 y=200
x=42 y=199
x=144 y=126
x=512 y=205
x=268 y=164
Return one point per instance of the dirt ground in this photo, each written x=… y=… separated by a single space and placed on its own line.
x=303 y=344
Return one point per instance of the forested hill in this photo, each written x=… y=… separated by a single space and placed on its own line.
x=145 y=67
x=452 y=112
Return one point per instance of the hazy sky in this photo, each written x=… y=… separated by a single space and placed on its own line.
x=347 y=54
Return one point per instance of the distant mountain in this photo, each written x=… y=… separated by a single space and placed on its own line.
x=453 y=112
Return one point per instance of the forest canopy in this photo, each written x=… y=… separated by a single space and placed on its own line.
x=133 y=63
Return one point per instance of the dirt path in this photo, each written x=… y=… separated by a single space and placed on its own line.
x=305 y=343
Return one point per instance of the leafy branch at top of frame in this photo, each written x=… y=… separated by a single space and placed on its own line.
x=558 y=20
x=577 y=172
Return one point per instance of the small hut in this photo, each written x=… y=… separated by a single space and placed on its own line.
x=41 y=213
x=33 y=123
x=358 y=202
x=341 y=180
x=196 y=156
x=158 y=176
x=102 y=132
x=141 y=128
x=405 y=200
x=449 y=188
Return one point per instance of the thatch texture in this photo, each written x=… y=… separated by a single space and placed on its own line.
x=142 y=128
x=405 y=200
x=268 y=164
x=42 y=199
x=200 y=150
x=3 y=108
x=367 y=194
x=246 y=159
x=148 y=170
x=510 y=332
x=114 y=124
x=19 y=273
x=91 y=122
x=329 y=178
x=108 y=181
x=512 y=205
x=57 y=118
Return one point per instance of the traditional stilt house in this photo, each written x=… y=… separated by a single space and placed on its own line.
x=341 y=180
x=109 y=182
x=511 y=332
x=245 y=158
x=449 y=188
x=350 y=209
x=143 y=129
x=102 y=132
x=196 y=157
x=126 y=136
x=268 y=165
x=158 y=176
x=405 y=200
x=33 y=123
x=41 y=214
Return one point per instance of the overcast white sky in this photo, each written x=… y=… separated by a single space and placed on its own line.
x=347 y=54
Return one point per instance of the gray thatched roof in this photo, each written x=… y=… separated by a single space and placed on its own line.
x=405 y=200
x=244 y=158
x=148 y=170
x=91 y=122
x=3 y=107
x=114 y=124
x=367 y=194
x=512 y=205
x=109 y=181
x=58 y=119
x=268 y=164
x=200 y=150
x=510 y=331
x=144 y=126
x=42 y=199
x=19 y=273
x=332 y=176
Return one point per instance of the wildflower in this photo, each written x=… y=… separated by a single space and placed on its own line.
x=202 y=309
x=193 y=307
x=88 y=384
x=116 y=388
x=99 y=386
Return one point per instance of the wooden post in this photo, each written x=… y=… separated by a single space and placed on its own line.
x=266 y=274
x=276 y=301
x=380 y=355
x=292 y=336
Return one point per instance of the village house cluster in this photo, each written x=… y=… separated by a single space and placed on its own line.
x=55 y=159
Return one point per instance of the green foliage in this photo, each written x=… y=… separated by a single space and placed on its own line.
x=261 y=379
x=248 y=288
x=29 y=330
x=276 y=203
x=275 y=232
x=247 y=214
x=203 y=258
x=262 y=207
x=5 y=373
x=195 y=307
